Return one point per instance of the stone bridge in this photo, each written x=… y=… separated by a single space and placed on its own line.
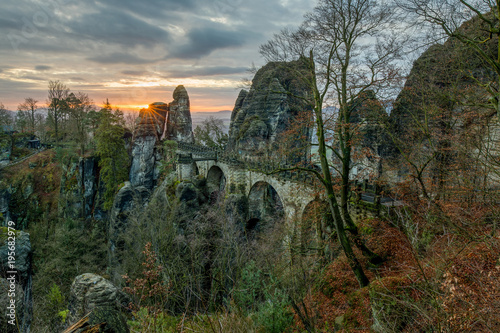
x=293 y=194
x=290 y=192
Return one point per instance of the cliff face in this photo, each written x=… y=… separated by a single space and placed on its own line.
x=442 y=77
x=79 y=187
x=440 y=114
x=371 y=143
x=262 y=115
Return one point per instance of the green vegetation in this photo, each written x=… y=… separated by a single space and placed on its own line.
x=113 y=157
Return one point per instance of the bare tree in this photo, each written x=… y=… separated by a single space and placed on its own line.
x=29 y=107
x=349 y=51
x=79 y=105
x=58 y=92
x=211 y=133
x=130 y=121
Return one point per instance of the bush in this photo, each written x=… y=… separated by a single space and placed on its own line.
x=145 y=322
x=274 y=314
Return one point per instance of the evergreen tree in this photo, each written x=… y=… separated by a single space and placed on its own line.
x=113 y=157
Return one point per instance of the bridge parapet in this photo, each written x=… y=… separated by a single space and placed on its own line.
x=203 y=153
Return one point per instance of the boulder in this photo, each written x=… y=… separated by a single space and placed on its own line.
x=93 y=293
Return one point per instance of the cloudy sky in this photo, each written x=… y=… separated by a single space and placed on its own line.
x=135 y=52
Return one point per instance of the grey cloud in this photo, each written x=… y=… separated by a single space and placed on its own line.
x=117 y=27
x=42 y=67
x=134 y=73
x=206 y=71
x=6 y=23
x=156 y=8
x=9 y=85
x=203 y=41
x=120 y=58
x=34 y=78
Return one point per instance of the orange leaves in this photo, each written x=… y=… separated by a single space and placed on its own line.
x=471 y=289
x=150 y=290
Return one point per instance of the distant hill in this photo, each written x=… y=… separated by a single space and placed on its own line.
x=199 y=117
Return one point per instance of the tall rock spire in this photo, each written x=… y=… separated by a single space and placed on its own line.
x=179 y=123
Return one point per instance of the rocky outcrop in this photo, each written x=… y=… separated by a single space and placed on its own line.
x=443 y=74
x=5 y=149
x=93 y=293
x=371 y=142
x=23 y=275
x=440 y=111
x=79 y=187
x=143 y=171
x=4 y=206
x=261 y=116
x=23 y=253
x=191 y=196
x=29 y=191
x=159 y=121
x=179 y=124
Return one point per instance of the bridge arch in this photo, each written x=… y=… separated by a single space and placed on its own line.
x=216 y=180
x=264 y=206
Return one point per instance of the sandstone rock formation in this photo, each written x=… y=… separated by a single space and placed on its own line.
x=371 y=143
x=159 y=121
x=93 y=293
x=144 y=149
x=443 y=72
x=127 y=200
x=179 y=124
x=262 y=116
x=79 y=186
x=439 y=113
